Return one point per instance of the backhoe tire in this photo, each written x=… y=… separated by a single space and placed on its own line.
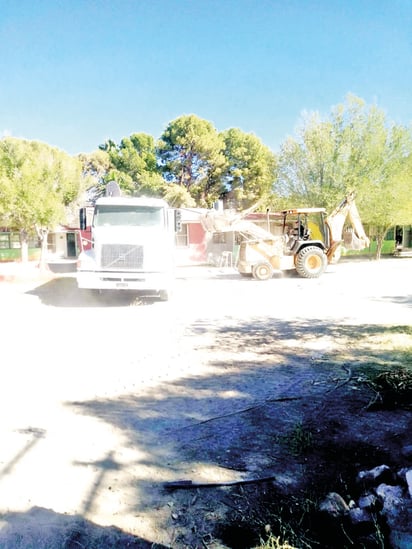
x=262 y=271
x=311 y=262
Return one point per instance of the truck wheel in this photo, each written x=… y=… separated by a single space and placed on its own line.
x=311 y=262
x=262 y=271
x=165 y=295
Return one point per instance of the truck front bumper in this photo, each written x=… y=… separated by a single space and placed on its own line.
x=98 y=280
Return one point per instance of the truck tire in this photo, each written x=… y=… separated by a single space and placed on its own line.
x=311 y=262
x=262 y=271
x=165 y=295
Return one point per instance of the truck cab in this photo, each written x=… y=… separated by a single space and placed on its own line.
x=132 y=246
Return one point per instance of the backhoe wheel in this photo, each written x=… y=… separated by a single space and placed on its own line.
x=311 y=262
x=262 y=271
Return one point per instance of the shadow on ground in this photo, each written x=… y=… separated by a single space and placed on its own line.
x=41 y=528
x=399 y=299
x=64 y=292
x=298 y=415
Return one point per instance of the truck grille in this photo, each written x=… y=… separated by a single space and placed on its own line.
x=121 y=257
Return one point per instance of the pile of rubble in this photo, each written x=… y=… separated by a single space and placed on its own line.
x=382 y=511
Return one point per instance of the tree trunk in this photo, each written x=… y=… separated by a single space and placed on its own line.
x=379 y=244
x=43 y=233
x=380 y=239
x=24 y=256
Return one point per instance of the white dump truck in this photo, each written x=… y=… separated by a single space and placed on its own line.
x=132 y=246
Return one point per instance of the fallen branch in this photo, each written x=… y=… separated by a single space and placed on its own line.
x=189 y=484
x=342 y=383
x=244 y=410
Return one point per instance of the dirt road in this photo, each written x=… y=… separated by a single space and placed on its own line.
x=104 y=399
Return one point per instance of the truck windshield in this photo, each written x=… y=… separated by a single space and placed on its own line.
x=141 y=216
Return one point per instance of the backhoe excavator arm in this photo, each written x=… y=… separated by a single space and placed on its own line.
x=335 y=223
x=360 y=241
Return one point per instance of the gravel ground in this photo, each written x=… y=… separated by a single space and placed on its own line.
x=101 y=396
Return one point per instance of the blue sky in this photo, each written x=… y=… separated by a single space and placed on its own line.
x=74 y=73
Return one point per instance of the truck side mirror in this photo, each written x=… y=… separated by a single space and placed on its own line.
x=83 y=219
x=178 y=220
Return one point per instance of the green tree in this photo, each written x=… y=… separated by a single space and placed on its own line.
x=387 y=200
x=251 y=167
x=38 y=184
x=374 y=160
x=95 y=168
x=190 y=152
x=134 y=165
x=356 y=149
x=308 y=170
x=178 y=196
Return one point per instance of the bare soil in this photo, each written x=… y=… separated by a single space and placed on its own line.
x=106 y=400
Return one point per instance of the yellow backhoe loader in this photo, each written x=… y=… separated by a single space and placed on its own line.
x=304 y=239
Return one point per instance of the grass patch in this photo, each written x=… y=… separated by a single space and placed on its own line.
x=271 y=520
x=298 y=441
x=275 y=543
